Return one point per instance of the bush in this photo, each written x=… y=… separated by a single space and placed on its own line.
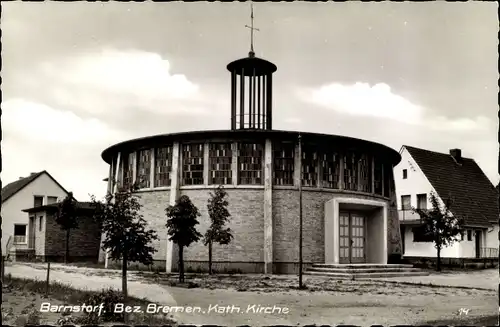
x=109 y=298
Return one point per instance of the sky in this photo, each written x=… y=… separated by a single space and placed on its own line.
x=79 y=77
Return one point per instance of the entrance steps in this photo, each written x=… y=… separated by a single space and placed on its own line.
x=364 y=271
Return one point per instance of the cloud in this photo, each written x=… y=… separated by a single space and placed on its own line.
x=361 y=99
x=364 y=100
x=36 y=121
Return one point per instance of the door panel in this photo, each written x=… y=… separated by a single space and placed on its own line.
x=351 y=238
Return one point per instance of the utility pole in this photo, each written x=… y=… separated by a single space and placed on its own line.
x=300 y=213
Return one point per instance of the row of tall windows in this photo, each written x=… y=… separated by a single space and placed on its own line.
x=319 y=168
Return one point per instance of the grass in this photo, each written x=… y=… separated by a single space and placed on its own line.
x=67 y=295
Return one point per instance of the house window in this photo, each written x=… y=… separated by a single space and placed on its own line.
x=250 y=168
x=51 y=199
x=284 y=154
x=405 y=173
x=144 y=168
x=192 y=164
x=163 y=166
x=128 y=170
x=309 y=167
x=365 y=174
x=20 y=233
x=420 y=235
x=405 y=202
x=38 y=201
x=220 y=157
x=469 y=235
x=40 y=223
x=351 y=172
x=377 y=172
x=422 y=201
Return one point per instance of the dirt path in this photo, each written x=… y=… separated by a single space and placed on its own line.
x=364 y=306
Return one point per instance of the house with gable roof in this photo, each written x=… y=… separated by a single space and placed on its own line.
x=36 y=190
x=475 y=199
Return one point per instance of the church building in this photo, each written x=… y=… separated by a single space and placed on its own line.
x=346 y=186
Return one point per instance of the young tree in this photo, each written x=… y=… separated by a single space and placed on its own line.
x=440 y=225
x=219 y=215
x=66 y=218
x=126 y=236
x=181 y=227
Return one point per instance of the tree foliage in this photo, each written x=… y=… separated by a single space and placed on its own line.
x=181 y=226
x=126 y=235
x=219 y=216
x=439 y=224
x=66 y=218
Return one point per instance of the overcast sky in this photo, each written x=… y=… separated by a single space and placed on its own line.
x=79 y=77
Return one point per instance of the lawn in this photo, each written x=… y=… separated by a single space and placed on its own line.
x=22 y=304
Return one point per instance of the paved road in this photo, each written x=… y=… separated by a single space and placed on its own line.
x=388 y=306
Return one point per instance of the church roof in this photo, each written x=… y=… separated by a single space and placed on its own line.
x=475 y=198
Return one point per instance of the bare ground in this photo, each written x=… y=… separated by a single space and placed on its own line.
x=326 y=301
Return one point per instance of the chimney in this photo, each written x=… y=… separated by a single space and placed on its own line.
x=33 y=174
x=21 y=178
x=456 y=154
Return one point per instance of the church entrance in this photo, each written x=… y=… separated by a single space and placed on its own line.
x=352 y=228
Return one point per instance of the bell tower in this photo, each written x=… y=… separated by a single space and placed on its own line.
x=251 y=90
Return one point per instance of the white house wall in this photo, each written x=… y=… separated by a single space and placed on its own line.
x=427 y=249
x=24 y=199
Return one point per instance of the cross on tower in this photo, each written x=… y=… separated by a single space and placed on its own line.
x=251 y=31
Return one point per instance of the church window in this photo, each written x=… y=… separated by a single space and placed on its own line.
x=378 y=177
x=365 y=174
x=330 y=167
x=220 y=159
x=387 y=180
x=192 y=164
x=250 y=168
x=351 y=172
x=309 y=166
x=284 y=154
x=128 y=170
x=163 y=166
x=144 y=168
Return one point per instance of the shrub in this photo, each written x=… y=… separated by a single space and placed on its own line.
x=109 y=298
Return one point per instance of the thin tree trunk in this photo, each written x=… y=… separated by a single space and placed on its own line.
x=124 y=284
x=181 y=264
x=66 y=254
x=438 y=261
x=210 y=258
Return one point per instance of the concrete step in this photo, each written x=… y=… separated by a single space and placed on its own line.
x=367 y=275
x=362 y=270
x=360 y=266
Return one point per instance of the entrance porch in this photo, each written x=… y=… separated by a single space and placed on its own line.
x=356 y=231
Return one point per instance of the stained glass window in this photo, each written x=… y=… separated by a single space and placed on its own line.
x=283 y=155
x=378 y=177
x=250 y=168
x=128 y=170
x=220 y=159
x=192 y=164
x=144 y=168
x=163 y=166
x=387 y=179
x=330 y=170
x=365 y=174
x=351 y=172
x=309 y=166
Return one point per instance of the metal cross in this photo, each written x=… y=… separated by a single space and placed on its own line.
x=251 y=29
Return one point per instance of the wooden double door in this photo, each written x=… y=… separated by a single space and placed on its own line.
x=352 y=230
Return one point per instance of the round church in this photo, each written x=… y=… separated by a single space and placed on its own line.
x=345 y=185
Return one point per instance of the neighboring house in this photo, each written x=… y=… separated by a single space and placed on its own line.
x=50 y=240
x=36 y=190
x=475 y=199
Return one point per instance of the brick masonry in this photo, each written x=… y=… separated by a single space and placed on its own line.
x=246 y=252
x=83 y=241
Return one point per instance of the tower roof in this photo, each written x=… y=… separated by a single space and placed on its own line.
x=252 y=66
